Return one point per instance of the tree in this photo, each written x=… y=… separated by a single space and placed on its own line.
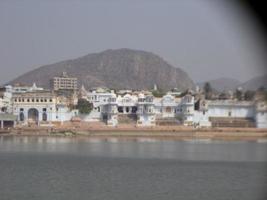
x=184 y=93
x=249 y=95
x=261 y=89
x=207 y=90
x=223 y=96
x=158 y=93
x=84 y=106
x=238 y=94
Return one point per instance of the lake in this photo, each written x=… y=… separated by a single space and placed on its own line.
x=82 y=168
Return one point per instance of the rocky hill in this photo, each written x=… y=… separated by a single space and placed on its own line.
x=118 y=69
x=255 y=83
x=224 y=84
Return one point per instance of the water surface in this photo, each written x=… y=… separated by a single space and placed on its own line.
x=73 y=168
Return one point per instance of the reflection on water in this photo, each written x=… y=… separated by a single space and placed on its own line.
x=141 y=148
x=71 y=168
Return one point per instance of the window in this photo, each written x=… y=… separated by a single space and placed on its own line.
x=21 y=117
x=120 y=109
x=44 y=116
x=168 y=110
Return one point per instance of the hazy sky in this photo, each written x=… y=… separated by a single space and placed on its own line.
x=207 y=39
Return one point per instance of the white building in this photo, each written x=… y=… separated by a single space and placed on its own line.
x=5 y=99
x=111 y=110
x=187 y=109
x=231 y=113
x=145 y=111
x=127 y=104
x=261 y=115
x=165 y=107
x=99 y=98
x=40 y=107
x=23 y=88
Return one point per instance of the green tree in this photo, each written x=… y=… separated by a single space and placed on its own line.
x=261 y=89
x=207 y=90
x=223 y=95
x=184 y=93
x=238 y=94
x=84 y=106
x=249 y=95
x=158 y=93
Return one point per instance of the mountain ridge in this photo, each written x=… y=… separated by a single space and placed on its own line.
x=118 y=69
x=224 y=83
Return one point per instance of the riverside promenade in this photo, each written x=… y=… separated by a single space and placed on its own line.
x=128 y=131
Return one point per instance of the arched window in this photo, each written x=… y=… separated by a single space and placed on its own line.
x=44 y=116
x=21 y=116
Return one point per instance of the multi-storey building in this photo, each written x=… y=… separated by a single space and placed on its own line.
x=64 y=82
x=111 y=110
x=145 y=111
x=5 y=99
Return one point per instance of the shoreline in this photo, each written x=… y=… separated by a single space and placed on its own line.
x=174 y=133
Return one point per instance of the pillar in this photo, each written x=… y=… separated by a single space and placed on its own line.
x=2 y=124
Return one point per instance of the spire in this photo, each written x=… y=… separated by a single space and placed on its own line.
x=155 y=87
x=83 y=92
x=34 y=87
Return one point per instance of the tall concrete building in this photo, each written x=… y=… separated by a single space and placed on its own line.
x=64 y=82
